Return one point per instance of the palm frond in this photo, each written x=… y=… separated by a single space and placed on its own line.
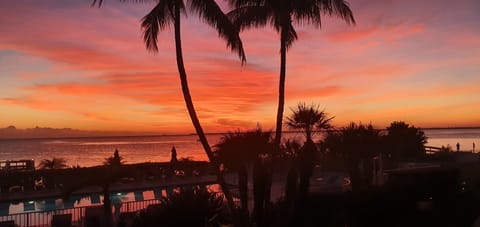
x=210 y=12
x=94 y=3
x=340 y=8
x=100 y=2
x=160 y=17
x=54 y=163
x=243 y=3
x=237 y=148
x=306 y=12
x=308 y=118
x=291 y=35
x=251 y=16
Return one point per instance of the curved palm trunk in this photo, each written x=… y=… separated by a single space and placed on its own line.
x=190 y=107
x=185 y=89
x=281 y=87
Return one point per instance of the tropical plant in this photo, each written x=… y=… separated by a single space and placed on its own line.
x=309 y=119
x=282 y=15
x=115 y=160
x=54 y=163
x=167 y=13
x=102 y=176
x=291 y=149
x=188 y=207
x=357 y=144
x=405 y=142
x=236 y=150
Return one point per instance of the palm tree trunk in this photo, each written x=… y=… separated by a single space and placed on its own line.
x=291 y=185
x=107 y=207
x=185 y=89
x=190 y=107
x=243 y=188
x=281 y=87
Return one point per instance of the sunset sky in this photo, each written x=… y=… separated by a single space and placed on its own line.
x=66 y=64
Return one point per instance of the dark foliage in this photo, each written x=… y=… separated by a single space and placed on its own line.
x=187 y=207
x=308 y=118
x=54 y=163
x=238 y=150
x=282 y=15
x=405 y=142
x=357 y=145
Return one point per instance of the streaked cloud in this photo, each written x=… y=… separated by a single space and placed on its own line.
x=65 y=64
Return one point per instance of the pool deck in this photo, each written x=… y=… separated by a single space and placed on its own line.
x=121 y=186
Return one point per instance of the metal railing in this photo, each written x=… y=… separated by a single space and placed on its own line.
x=44 y=218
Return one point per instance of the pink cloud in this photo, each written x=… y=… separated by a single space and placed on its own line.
x=393 y=47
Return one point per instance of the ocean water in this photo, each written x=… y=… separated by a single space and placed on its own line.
x=93 y=151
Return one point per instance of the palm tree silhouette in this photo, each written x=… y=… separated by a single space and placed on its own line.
x=167 y=12
x=358 y=144
x=239 y=149
x=188 y=207
x=54 y=163
x=308 y=118
x=405 y=142
x=282 y=14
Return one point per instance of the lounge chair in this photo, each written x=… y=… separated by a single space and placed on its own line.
x=62 y=220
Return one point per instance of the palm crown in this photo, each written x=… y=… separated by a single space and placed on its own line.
x=281 y=14
x=163 y=15
x=308 y=118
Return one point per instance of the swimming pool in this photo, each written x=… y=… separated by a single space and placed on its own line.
x=74 y=201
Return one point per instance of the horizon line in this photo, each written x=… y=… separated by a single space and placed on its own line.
x=153 y=134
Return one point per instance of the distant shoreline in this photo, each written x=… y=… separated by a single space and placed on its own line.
x=189 y=134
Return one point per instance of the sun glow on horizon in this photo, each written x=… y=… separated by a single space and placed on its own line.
x=86 y=68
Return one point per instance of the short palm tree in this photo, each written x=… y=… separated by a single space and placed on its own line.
x=291 y=149
x=405 y=142
x=188 y=207
x=102 y=176
x=309 y=119
x=115 y=160
x=236 y=150
x=358 y=145
x=282 y=15
x=54 y=163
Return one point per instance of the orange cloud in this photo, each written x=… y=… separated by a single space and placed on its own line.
x=90 y=66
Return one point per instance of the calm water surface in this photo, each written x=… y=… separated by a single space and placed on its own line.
x=93 y=151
